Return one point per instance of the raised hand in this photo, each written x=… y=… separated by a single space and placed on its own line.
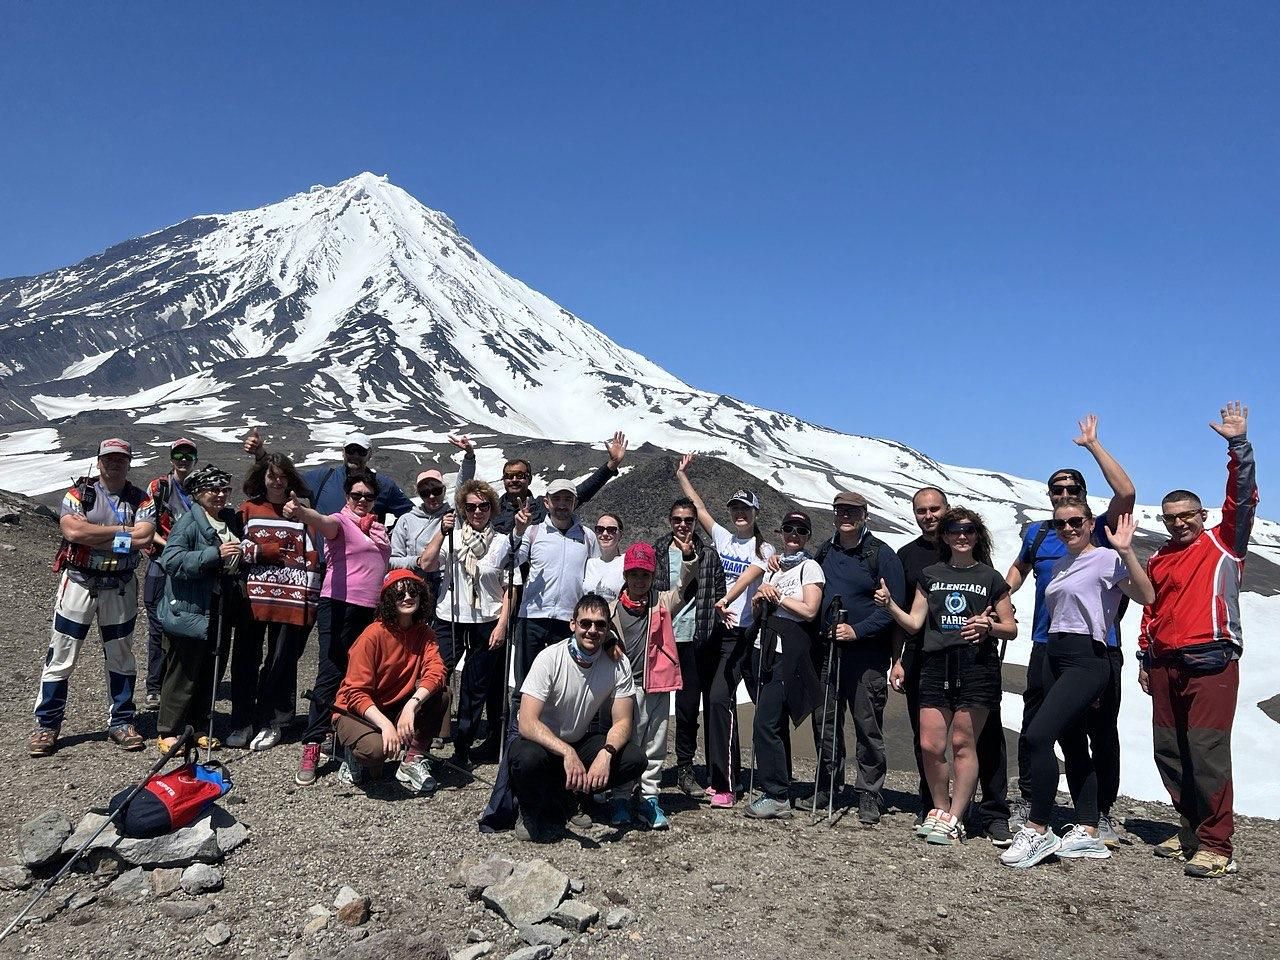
x=883 y=597
x=683 y=465
x=462 y=442
x=1122 y=536
x=253 y=442
x=1088 y=431
x=522 y=518
x=685 y=544
x=1235 y=420
x=617 y=448
x=291 y=506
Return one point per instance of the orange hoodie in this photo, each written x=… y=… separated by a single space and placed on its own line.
x=387 y=664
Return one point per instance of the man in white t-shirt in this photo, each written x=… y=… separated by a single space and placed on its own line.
x=555 y=756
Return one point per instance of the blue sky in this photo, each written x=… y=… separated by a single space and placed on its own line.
x=957 y=225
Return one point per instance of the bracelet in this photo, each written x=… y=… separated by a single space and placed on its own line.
x=610 y=749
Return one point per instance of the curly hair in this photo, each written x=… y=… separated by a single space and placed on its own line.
x=389 y=613
x=476 y=488
x=982 y=539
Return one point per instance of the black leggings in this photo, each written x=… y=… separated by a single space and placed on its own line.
x=1076 y=672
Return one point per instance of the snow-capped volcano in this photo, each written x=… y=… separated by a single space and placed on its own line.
x=357 y=305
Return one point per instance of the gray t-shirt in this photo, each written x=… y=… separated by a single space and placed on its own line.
x=571 y=695
x=635 y=640
x=1083 y=595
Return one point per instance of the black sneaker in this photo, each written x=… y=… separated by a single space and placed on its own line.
x=821 y=797
x=868 y=809
x=998 y=833
x=531 y=829
x=687 y=782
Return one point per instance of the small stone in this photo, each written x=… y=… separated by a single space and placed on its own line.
x=613 y=896
x=618 y=917
x=531 y=953
x=166 y=880
x=15 y=878
x=231 y=837
x=185 y=909
x=354 y=912
x=131 y=886
x=319 y=910
x=218 y=934
x=345 y=895
x=931 y=950
x=457 y=877
x=40 y=839
x=315 y=925
x=719 y=887
x=577 y=885
x=1072 y=910
x=476 y=935
x=575 y=915
x=201 y=878
x=358 y=933
x=473 y=952
x=82 y=899
x=540 y=934
x=941 y=911
x=686 y=866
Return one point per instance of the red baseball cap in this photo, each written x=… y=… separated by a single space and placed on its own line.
x=639 y=556
x=402 y=573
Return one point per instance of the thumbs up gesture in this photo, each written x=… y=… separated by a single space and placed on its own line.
x=253 y=444
x=291 y=507
x=882 y=596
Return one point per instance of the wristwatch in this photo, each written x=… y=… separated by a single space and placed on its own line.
x=610 y=749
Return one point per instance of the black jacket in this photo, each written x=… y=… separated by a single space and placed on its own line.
x=505 y=521
x=710 y=582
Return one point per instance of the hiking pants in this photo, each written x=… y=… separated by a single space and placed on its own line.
x=187 y=690
x=649 y=733
x=1102 y=726
x=537 y=774
x=338 y=624
x=710 y=676
x=481 y=691
x=1077 y=670
x=861 y=671
x=114 y=602
x=533 y=635
x=264 y=691
x=1032 y=697
x=430 y=720
x=152 y=591
x=1191 y=716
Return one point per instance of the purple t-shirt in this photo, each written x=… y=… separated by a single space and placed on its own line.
x=1082 y=594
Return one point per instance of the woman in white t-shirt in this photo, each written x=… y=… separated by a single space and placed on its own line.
x=787 y=604
x=603 y=574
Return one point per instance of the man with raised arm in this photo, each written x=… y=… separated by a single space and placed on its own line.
x=1189 y=648
x=1041 y=549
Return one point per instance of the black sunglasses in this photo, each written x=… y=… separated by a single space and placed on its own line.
x=794 y=528
x=429 y=491
x=1075 y=523
x=183 y=458
x=1070 y=489
x=968 y=529
x=587 y=623
x=682 y=521
x=480 y=507
x=366 y=497
x=520 y=475
x=602 y=528
x=848 y=511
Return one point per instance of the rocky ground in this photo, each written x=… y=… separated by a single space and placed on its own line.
x=716 y=884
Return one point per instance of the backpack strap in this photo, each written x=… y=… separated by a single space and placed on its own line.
x=328 y=474
x=1041 y=533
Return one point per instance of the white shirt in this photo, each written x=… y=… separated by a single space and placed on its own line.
x=557 y=565
x=737 y=557
x=604 y=577
x=572 y=696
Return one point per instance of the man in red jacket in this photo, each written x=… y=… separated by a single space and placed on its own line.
x=1189 y=652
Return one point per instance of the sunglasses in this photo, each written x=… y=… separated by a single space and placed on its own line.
x=428 y=491
x=1070 y=489
x=967 y=529
x=404 y=590
x=793 y=528
x=1186 y=516
x=587 y=624
x=183 y=458
x=355 y=451
x=847 y=511
x=602 y=529
x=1075 y=523
x=520 y=475
x=682 y=521
x=363 y=497
x=477 y=507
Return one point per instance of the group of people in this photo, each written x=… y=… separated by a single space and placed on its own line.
x=575 y=652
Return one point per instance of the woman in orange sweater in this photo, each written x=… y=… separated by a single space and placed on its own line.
x=396 y=680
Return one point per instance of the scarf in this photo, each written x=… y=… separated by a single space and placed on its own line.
x=580 y=656
x=789 y=560
x=633 y=607
x=475 y=544
x=369 y=526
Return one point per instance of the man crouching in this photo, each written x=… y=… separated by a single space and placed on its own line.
x=555 y=757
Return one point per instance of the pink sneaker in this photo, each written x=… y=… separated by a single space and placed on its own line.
x=724 y=799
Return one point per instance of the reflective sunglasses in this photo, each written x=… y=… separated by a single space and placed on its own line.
x=1070 y=489
x=586 y=623
x=1075 y=523
x=794 y=528
x=1186 y=516
x=183 y=458
x=967 y=529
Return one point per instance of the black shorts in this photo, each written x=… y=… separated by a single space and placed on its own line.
x=966 y=676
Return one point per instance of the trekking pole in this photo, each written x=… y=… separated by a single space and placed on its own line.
x=822 y=737
x=333 y=707
x=453 y=623
x=508 y=653
x=217 y=650
x=179 y=744
x=765 y=613
x=836 y=611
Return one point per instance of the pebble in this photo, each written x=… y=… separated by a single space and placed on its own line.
x=218 y=934
x=319 y=910
x=719 y=887
x=942 y=911
x=201 y=878
x=531 y=953
x=473 y=952
x=1072 y=910
x=315 y=925
x=16 y=877
x=166 y=880
x=618 y=917
x=476 y=935
x=80 y=900
x=577 y=885
x=185 y=909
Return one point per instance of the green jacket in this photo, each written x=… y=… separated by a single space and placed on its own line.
x=192 y=563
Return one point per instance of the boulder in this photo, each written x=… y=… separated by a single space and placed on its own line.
x=43 y=837
x=529 y=895
x=485 y=874
x=198 y=842
x=575 y=915
x=15 y=878
x=235 y=835
x=542 y=934
x=201 y=878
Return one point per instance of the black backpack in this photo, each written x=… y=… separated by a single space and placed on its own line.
x=869 y=554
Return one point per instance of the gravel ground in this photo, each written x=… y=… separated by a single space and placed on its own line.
x=715 y=884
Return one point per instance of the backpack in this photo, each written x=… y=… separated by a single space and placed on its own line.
x=77 y=554
x=869 y=554
x=171 y=801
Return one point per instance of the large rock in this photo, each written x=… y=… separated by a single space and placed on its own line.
x=201 y=878
x=43 y=838
x=542 y=934
x=395 y=945
x=529 y=895
x=14 y=878
x=575 y=915
x=166 y=880
x=485 y=874
x=198 y=842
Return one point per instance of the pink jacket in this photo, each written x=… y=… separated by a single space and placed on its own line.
x=662 y=659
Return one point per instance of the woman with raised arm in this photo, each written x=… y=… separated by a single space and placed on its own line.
x=358 y=554
x=963 y=606
x=1083 y=597
x=604 y=573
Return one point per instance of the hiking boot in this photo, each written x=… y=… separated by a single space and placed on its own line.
x=266 y=738
x=206 y=742
x=687 y=782
x=579 y=819
x=415 y=774
x=1108 y=833
x=239 y=738
x=486 y=753
x=764 y=807
x=1206 y=864
x=1029 y=848
x=328 y=749
x=821 y=796
x=152 y=700
x=1181 y=846
x=925 y=826
x=947 y=830
x=307 y=766
x=1019 y=811
x=351 y=773
x=620 y=812
x=43 y=742
x=868 y=809
x=999 y=834
x=723 y=799
x=530 y=828
x=1079 y=844
x=462 y=758
x=126 y=737
x=651 y=814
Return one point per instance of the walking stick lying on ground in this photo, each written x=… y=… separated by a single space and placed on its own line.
x=184 y=738
x=334 y=708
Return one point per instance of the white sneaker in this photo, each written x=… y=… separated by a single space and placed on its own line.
x=267 y=738
x=1077 y=844
x=1029 y=848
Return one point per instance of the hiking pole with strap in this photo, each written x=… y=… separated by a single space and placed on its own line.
x=186 y=736
x=334 y=708
x=453 y=623
x=220 y=600
x=839 y=658
x=508 y=653
x=766 y=611
x=835 y=612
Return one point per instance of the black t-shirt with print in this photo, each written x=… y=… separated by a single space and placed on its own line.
x=955 y=596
